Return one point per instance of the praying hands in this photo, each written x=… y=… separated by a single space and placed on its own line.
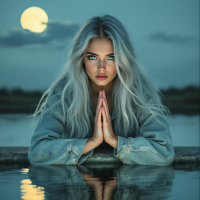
x=108 y=134
x=102 y=126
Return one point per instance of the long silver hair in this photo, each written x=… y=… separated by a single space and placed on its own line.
x=130 y=87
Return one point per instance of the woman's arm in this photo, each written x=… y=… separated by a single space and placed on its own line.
x=90 y=145
x=153 y=146
x=48 y=146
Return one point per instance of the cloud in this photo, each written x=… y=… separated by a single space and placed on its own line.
x=54 y=34
x=172 y=39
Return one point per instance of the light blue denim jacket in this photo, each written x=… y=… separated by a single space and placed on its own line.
x=51 y=145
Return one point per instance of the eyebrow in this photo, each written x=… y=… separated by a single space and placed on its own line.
x=97 y=54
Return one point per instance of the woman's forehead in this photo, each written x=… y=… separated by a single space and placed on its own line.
x=98 y=45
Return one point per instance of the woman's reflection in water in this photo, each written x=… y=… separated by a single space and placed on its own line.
x=103 y=186
x=127 y=182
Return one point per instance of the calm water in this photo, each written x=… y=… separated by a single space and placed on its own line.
x=16 y=129
x=98 y=181
x=95 y=183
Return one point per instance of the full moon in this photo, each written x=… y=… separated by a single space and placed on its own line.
x=32 y=19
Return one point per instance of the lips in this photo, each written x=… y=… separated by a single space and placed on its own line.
x=101 y=77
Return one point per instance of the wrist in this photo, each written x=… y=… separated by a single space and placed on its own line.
x=113 y=142
x=95 y=141
x=90 y=144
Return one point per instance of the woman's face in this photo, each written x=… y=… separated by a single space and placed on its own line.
x=97 y=61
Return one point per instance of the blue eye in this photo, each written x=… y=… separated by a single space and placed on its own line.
x=112 y=57
x=89 y=57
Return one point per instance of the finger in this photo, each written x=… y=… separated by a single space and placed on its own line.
x=104 y=95
x=98 y=101
x=99 y=115
x=105 y=99
x=105 y=108
x=100 y=97
x=104 y=115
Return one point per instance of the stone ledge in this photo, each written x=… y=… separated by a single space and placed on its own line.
x=20 y=154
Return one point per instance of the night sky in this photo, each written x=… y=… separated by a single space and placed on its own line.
x=164 y=34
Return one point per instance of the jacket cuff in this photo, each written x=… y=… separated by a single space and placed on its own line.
x=122 y=143
x=79 y=145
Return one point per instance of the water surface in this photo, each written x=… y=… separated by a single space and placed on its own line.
x=17 y=129
x=118 y=182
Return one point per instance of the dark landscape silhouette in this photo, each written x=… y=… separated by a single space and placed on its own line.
x=16 y=100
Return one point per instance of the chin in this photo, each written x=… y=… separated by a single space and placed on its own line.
x=102 y=84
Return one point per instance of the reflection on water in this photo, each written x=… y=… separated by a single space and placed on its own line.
x=78 y=182
x=30 y=191
x=24 y=170
x=99 y=181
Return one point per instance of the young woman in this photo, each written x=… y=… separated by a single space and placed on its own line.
x=103 y=99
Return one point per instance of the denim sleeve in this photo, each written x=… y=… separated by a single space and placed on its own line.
x=153 y=146
x=48 y=146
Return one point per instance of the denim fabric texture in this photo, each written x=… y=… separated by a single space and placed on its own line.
x=51 y=145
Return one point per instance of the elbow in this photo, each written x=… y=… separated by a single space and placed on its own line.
x=168 y=154
x=144 y=156
x=164 y=158
x=35 y=157
x=167 y=161
x=163 y=153
x=38 y=156
x=170 y=157
x=31 y=157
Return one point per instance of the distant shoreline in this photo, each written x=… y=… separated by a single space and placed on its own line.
x=30 y=108
x=184 y=100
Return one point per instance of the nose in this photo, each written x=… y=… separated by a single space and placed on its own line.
x=101 y=65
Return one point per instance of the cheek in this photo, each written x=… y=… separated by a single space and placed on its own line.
x=89 y=68
x=113 y=71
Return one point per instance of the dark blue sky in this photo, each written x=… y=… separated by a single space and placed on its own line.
x=165 y=35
